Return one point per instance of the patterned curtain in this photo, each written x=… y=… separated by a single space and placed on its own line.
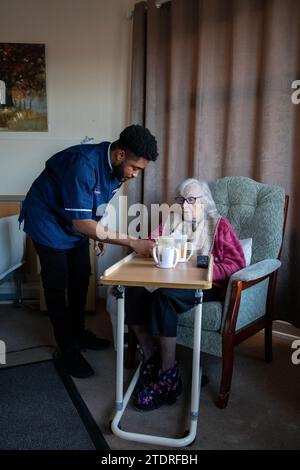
x=212 y=79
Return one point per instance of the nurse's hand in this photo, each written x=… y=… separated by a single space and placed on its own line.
x=143 y=247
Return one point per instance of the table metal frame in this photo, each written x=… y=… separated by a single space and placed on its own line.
x=122 y=399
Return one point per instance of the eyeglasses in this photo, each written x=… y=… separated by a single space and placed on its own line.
x=189 y=200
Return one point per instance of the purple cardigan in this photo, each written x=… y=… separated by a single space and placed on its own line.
x=227 y=251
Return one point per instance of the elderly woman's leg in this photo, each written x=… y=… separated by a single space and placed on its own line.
x=168 y=352
x=165 y=306
x=137 y=302
x=157 y=316
x=145 y=340
x=163 y=310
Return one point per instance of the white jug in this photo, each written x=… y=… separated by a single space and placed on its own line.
x=166 y=257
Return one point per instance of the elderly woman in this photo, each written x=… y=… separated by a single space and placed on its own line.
x=155 y=313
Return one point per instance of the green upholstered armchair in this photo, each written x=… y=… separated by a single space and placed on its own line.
x=256 y=211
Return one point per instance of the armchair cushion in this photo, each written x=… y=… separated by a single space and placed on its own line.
x=211 y=317
x=247 y=249
x=253 y=299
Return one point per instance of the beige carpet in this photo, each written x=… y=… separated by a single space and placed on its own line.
x=264 y=406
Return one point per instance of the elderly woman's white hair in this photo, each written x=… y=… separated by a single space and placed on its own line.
x=200 y=230
x=192 y=187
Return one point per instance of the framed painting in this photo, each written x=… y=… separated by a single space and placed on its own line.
x=23 y=101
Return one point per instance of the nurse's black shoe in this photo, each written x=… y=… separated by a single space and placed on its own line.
x=87 y=340
x=73 y=363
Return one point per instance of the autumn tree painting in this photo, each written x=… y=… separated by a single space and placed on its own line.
x=23 y=103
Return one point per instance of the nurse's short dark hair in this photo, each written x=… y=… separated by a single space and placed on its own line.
x=139 y=141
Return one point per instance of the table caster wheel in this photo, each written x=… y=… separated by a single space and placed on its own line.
x=186 y=433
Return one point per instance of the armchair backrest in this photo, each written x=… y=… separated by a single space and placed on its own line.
x=255 y=210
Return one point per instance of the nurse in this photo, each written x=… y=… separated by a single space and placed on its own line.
x=60 y=215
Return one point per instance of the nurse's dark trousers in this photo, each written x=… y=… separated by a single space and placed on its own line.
x=65 y=272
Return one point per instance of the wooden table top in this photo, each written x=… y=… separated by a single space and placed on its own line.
x=134 y=270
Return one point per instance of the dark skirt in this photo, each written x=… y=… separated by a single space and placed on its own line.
x=159 y=310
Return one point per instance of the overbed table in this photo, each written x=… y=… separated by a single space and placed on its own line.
x=134 y=270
